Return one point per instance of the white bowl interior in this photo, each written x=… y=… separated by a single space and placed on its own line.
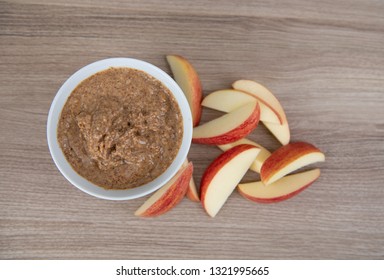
x=61 y=98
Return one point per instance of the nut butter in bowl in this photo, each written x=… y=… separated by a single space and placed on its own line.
x=119 y=128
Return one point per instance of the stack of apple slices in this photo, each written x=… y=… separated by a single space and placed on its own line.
x=260 y=158
x=273 y=167
x=275 y=186
x=244 y=91
x=245 y=105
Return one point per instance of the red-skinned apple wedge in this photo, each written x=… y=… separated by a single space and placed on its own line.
x=287 y=159
x=223 y=174
x=280 y=131
x=188 y=80
x=169 y=195
x=227 y=100
x=280 y=190
x=261 y=157
x=229 y=127
x=192 y=193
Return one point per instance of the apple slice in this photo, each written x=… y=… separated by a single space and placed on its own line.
x=287 y=159
x=280 y=190
x=192 y=193
x=261 y=157
x=168 y=196
x=227 y=100
x=281 y=132
x=188 y=80
x=262 y=93
x=229 y=127
x=223 y=174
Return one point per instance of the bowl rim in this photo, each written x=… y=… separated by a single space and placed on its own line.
x=59 y=101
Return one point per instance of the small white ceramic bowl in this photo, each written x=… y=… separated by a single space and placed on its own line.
x=61 y=98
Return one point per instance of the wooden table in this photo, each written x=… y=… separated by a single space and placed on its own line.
x=324 y=60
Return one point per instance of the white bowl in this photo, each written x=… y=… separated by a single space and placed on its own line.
x=61 y=98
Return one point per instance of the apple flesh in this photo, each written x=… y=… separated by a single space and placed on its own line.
x=229 y=127
x=223 y=174
x=280 y=190
x=261 y=157
x=280 y=131
x=187 y=78
x=169 y=195
x=262 y=93
x=287 y=159
x=227 y=100
x=192 y=193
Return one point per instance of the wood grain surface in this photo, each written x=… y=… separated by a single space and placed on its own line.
x=324 y=60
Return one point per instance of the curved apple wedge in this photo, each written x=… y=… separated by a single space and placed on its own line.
x=280 y=131
x=287 y=159
x=223 y=174
x=261 y=157
x=169 y=195
x=280 y=190
x=229 y=127
x=188 y=80
x=227 y=100
x=261 y=92
x=192 y=193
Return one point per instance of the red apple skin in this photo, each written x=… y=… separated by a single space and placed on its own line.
x=275 y=199
x=172 y=196
x=280 y=114
x=196 y=89
x=196 y=108
x=216 y=165
x=283 y=156
x=265 y=103
x=235 y=134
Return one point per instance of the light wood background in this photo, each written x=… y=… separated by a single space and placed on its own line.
x=323 y=59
